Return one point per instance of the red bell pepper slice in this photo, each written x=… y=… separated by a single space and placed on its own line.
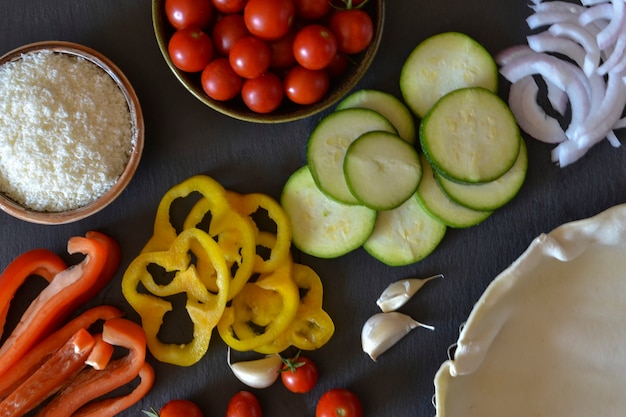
x=55 y=301
x=39 y=262
x=113 y=406
x=50 y=377
x=44 y=350
x=113 y=259
x=91 y=384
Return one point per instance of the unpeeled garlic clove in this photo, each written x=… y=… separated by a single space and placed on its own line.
x=258 y=373
x=383 y=330
x=399 y=292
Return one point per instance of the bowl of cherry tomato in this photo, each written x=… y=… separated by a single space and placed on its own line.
x=268 y=61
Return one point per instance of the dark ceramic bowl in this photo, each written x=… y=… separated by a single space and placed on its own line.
x=288 y=111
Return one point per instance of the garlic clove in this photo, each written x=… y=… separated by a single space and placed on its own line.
x=399 y=292
x=258 y=373
x=383 y=330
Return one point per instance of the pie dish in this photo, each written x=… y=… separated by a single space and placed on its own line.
x=546 y=338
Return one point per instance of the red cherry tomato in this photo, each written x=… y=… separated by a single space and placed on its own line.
x=262 y=94
x=314 y=46
x=269 y=19
x=300 y=374
x=353 y=28
x=339 y=402
x=243 y=404
x=250 y=57
x=339 y=65
x=189 y=13
x=304 y=86
x=180 y=408
x=229 y=6
x=311 y=9
x=219 y=81
x=190 y=49
x=282 y=51
x=227 y=31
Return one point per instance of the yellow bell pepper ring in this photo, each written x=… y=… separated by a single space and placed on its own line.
x=234 y=235
x=148 y=297
x=255 y=206
x=312 y=327
x=164 y=231
x=261 y=311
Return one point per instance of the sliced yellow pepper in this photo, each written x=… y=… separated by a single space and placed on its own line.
x=312 y=327
x=261 y=311
x=147 y=297
x=253 y=203
x=235 y=236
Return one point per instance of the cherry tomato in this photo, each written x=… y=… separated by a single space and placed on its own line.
x=282 y=51
x=190 y=49
x=227 y=31
x=311 y=9
x=299 y=374
x=353 y=28
x=314 y=46
x=243 y=404
x=250 y=57
x=339 y=65
x=304 y=86
x=339 y=402
x=219 y=81
x=262 y=94
x=189 y=13
x=269 y=19
x=180 y=408
x=229 y=6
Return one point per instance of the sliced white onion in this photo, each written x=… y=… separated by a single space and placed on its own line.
x=580 y=55
x=609 y=34
x=585 y=38
x=530 y=116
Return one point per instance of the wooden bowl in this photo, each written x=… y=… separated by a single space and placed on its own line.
x=137 y=133
x=288 y=111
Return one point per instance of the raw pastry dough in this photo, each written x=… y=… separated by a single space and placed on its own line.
x=547 y=338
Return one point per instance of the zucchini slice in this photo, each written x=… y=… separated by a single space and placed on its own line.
x=329 y=142
x=438 y=204
x=392 y=108
x=489 y=195
x=471 y=136
x=441 y=64
x=320 y=226
x=382 y=170
x=404 y=235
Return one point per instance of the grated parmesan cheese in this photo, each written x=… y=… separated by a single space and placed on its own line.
x=65 y=131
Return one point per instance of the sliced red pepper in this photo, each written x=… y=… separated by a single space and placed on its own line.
x=113 y=406
x=101 y=353
x=91 y=384
x=44 y=350
x=113 y=259
x=55 y=301
x=50 y=377
x=39 y=262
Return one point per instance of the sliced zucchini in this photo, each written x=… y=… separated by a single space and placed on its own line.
x=329 y=142
x=382 y=170
x=489 y=195
x=470 y=135
x=320 y=226
x=386 y=104
x=438 y=204
x=443 y=63
x=404 y=235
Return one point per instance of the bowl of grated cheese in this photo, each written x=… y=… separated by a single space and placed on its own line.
x=71 y=132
